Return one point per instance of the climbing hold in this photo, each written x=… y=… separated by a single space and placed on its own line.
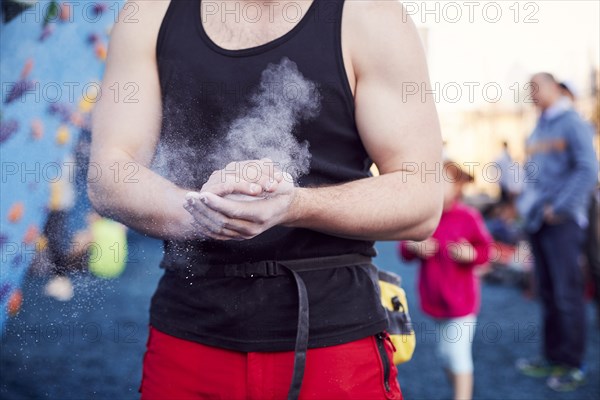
x=37 y=129
x=31 y=234
x=108 y=251
x=14 y=303
x=15 y=212
x=62 y=135
x=100 y=50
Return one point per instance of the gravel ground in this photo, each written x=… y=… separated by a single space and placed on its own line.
x=92 y=346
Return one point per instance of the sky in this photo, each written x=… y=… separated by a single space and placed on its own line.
x=500 y=44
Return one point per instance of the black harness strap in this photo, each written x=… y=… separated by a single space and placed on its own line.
x=301 y=339
x=262 y=269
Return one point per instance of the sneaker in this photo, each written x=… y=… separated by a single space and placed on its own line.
x=535 y=367
x=566 y=380
x=59 y=288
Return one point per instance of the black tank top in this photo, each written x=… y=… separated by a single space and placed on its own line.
x=205 y=89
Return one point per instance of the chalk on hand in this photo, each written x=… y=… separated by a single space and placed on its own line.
x=192 y=197
x=244 y=197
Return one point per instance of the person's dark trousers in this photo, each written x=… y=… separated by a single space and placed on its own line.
x=557 y=249
x=505 y=195
x=55 y=231
x=592 y=246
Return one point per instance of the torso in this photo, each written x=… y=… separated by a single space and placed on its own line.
x=245 y=34
x=192 y=56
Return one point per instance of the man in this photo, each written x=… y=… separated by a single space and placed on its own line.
x=231 y=307
x=561 y=174
x=508 y=175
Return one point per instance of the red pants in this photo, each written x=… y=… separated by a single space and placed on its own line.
x=179 y=369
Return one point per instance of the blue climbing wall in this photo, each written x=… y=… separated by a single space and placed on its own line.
x=51 y=63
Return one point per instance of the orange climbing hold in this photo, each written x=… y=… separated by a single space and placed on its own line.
x=31 y=234
x=77 y=119
x=37 y=129
x=15 y=213
x=65 y=11
x=27 y=68
x=100 y=50
x=14 y=303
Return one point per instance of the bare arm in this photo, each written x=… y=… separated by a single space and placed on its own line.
x=125 y=134
x=385 y=52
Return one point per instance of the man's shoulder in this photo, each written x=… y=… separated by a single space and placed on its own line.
x=571 y=115
x=573 y=121
x=134 y=11
x=370 y=15
x=139 y=22
x=377 y=30
x=147 y=6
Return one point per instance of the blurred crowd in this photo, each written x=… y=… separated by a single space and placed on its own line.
x=541 y=233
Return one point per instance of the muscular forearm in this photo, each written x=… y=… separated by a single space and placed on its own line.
x=145 y=201
x=388 y=207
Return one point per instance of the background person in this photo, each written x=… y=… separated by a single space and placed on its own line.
x=448 y=286
x=509 y=175
x=554 y=206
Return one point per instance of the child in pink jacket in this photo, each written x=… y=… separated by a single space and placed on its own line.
x=448 y=286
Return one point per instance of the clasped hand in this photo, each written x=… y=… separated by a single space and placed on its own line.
x=460 y=251
x=241 y=201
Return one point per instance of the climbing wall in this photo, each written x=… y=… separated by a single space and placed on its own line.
x=51 y=62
